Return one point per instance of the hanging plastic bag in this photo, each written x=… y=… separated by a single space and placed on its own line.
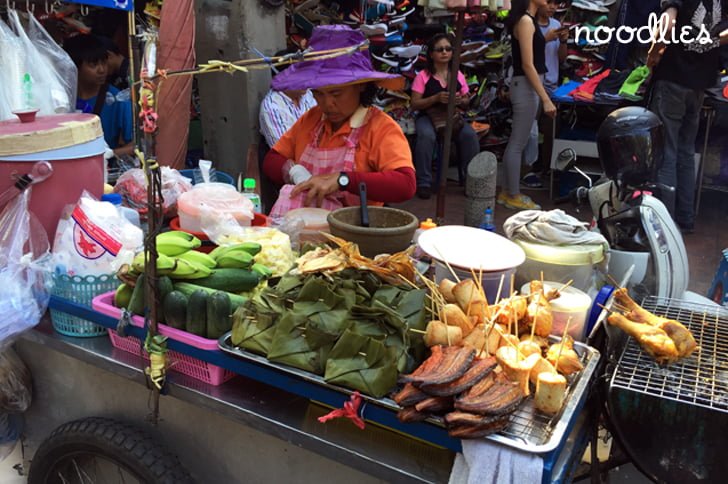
x=60 y=60
x=12 y=60
x=25 y=271
x=41 y=79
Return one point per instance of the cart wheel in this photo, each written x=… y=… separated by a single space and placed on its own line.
x=95 y=449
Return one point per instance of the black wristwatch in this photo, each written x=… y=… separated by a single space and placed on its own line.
x=343 y=181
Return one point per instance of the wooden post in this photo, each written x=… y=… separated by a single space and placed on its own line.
x=452 y=91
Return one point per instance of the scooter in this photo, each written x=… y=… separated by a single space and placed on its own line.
x=643 y=237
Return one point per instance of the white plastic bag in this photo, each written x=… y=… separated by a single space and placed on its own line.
x=60 y=60
x=95 y=240
x=12 y=60
x=24 y=269
x=48 y=92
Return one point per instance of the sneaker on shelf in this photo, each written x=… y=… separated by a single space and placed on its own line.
x=590 y=6
x=590 y=68
x=532 y=180
x=373 y=29
x=407 y=51
x=520 y=202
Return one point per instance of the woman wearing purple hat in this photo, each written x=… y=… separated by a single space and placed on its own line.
x=342 y=141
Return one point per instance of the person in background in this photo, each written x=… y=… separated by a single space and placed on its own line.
x=555 y=36
x=117 y=64
x=527 y=94
x=681 y=74
x=343 y=140
x=279 y=110
x=430 y=89
x=96 y=96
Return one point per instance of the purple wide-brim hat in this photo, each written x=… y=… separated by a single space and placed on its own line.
x=353 y=68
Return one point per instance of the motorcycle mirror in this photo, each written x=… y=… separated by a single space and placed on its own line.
x=565 y=159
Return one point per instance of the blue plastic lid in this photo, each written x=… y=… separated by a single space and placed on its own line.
x=114 y=198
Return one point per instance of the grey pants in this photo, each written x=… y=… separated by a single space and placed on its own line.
x=526 y=104
x=679 y=110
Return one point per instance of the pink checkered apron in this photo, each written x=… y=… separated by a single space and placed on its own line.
x=321 y=161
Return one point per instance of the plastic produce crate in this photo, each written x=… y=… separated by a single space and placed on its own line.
x=187 y=365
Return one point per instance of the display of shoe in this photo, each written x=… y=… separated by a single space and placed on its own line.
x=373 y=29
x=532 y=180
x=519 y=202
x=590 y=68
x=406 y=51
x=496 y=50
x=590 y=6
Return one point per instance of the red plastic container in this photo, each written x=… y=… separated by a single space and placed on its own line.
x=207 y=246
x=198 y=369
x=72 y=143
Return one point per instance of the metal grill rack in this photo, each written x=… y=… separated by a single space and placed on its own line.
x=702 y=378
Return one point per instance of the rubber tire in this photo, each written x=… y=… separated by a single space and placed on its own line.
x=116 y=441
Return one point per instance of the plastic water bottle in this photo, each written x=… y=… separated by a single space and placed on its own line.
x=250 y=194
x=487 y=223
x=128 y=213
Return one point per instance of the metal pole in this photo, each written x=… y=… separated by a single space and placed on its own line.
x=452 y=91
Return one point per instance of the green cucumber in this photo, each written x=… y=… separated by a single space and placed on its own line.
x=230 y=280
x=219 y=314
x=197 y=314
x=175 y=309
x=164 y=287
x=138 y=300
x=188 y=288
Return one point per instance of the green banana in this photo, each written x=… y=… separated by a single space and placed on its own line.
x=176 y=243
x=252 y=248
x=122 y=296
x=186 y=270
x=237 y=259
x=264 y=271
x=198 y=257
x=165 y=265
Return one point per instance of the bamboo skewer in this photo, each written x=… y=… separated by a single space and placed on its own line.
x=535 y=317
x=561 y=347
x=449 y=267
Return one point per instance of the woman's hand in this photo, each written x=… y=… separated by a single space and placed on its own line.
x=549 y=109
x=318 y=187
x=443 y=97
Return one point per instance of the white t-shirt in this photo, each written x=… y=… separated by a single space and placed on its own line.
x=552 y=55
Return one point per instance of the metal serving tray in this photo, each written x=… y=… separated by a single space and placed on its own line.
x=528 y=430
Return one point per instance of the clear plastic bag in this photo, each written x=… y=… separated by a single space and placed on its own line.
x=47 y=88
x=132 y=185
x=276 y=253
x=16 y=384
x=61 y=62
x=25 y=269
x=12 y=60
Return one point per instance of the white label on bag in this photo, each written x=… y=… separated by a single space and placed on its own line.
x=90 y=240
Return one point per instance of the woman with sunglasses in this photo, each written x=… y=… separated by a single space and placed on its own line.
x=527 y=94
x=430 y=93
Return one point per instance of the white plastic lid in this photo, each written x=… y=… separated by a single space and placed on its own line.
x=470 y=248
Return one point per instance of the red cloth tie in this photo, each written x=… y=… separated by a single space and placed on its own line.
x=350 y=411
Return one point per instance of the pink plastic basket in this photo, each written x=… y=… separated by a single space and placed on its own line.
x=198 y=369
